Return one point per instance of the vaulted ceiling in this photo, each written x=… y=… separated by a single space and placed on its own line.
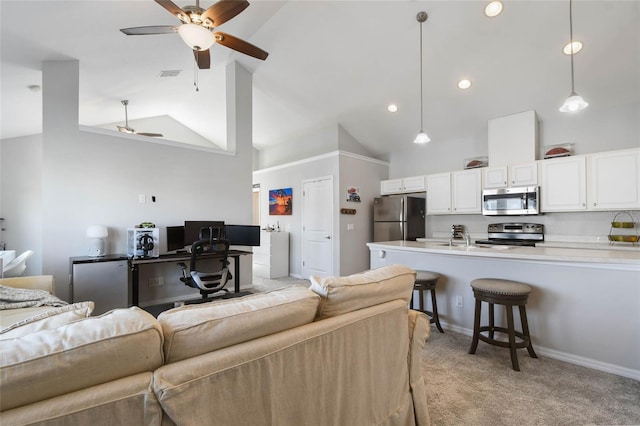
x=330 y=62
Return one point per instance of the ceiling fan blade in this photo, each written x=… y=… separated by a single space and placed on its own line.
x=157 y=29
x=224 y=10
x=203 y=59
x=240 y=45
x=172 y=8
x=151 y=135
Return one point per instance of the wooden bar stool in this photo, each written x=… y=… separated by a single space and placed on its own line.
x=508 y=293
x=427 y=280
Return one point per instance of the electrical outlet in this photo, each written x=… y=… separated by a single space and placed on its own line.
x=459 y=301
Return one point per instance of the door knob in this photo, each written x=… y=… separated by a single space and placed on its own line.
x=328 y=237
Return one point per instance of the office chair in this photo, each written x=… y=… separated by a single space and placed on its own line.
x=205 y=281
x=16 y=267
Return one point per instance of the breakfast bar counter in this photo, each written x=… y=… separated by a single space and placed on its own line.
x=584 y=307
x=616 y=258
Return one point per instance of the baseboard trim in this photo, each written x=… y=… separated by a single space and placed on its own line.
x=564 y=356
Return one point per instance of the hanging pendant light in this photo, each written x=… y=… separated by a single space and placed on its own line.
x=574 y=102
x=422 y=137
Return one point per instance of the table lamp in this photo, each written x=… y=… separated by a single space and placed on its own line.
x=97 y=235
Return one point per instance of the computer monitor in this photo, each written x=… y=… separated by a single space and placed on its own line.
x=195 y=230
x=243 y=235
x=175 y=238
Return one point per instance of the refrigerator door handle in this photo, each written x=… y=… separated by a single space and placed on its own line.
x=402 y=211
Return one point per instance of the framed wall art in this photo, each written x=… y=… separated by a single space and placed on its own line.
x=280 y=201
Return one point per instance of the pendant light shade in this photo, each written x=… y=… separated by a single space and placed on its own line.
x=422 y=137
x=574 y=102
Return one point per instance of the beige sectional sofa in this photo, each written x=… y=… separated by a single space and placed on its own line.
x=346 y=351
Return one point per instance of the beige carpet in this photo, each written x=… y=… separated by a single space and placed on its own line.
x=482 y=389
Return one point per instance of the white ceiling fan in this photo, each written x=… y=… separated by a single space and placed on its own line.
x=127 y=129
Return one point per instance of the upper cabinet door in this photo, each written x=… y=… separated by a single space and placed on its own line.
x=414 y=184
x=467 y=191
x=523 y=174
x=391 y=186
x=495 y=177
x=614 y=180
x=439 y=193
x=563 y=184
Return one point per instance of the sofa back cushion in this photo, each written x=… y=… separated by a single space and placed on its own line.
x=75 y=356
x=345 y=294
x=197 y=329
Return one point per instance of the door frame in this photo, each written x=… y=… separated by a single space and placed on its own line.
x=329 y=211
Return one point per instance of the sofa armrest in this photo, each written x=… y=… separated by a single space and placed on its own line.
x=37 y=282
x=419 y=329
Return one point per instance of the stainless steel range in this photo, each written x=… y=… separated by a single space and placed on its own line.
x=514 y=234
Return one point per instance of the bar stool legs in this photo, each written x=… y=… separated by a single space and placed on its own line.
x=509 y=294
x=426 y=281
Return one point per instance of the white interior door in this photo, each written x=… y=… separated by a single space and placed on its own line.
x=317 y=227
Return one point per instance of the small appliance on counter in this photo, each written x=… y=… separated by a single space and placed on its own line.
x=143 y=242
x=514 y=234
x=398 y=217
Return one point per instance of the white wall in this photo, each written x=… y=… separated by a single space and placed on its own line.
x=363 y=173
x=89 y=178
x=594 y=129
x=291 y=176
x=21 y=187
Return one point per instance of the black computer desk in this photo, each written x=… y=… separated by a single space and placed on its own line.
x=180 y=257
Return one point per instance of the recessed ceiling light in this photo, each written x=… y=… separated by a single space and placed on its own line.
x=464 y=84
x=493 y=9
x=577 y=46
x=392 y=108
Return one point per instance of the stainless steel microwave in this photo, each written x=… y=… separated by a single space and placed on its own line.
x=511 y=201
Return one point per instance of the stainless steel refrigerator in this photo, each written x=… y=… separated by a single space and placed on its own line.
x=398 y=217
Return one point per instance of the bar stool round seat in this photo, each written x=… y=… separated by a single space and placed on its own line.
x=426 y=281
x=508 y=293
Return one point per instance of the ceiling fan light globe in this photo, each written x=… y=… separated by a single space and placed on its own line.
x=196 y=36
x=574 y=103
x=421 y=138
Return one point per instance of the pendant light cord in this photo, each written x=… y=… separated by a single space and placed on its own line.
x=421 y=91
x=571 y=42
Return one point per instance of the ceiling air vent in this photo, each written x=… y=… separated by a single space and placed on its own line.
x=170 y=73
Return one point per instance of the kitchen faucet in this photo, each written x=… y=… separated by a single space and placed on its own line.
x=458 y=231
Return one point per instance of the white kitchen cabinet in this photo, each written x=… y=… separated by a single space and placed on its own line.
x=563 y=184
x=496 y=177
x=403 y=185
x=271 y=258
x=391 y=186
x=614 y=180
x=414 y=184
x=523 y=174
x=466 y=191
x=513 y=139
x=513 y=175
x=439 y=193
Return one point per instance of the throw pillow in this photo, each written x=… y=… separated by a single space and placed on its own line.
x=345 y=294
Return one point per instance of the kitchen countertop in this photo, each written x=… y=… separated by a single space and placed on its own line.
x=540 y=253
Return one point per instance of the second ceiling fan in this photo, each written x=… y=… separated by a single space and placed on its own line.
x=197 y=29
